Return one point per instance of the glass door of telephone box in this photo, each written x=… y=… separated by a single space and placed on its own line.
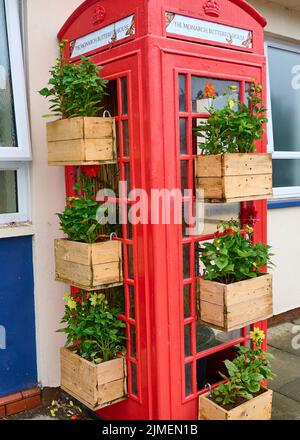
x=203 y=348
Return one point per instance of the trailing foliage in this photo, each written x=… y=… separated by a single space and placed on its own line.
x=94 y=327
x=232 y=256
x=75 y=89
x=235 y=127
x=79 y=220
x=246 y=372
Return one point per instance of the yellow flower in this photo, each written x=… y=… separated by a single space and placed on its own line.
x=232 y=88
x=231 y=104
x=94 y=299
x=249 y=229
x=66 y=296
x=71 y=303
x=257 y=336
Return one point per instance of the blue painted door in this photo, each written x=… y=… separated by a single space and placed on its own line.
x=18 y=370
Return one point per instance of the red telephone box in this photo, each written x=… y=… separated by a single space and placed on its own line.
x=158 y=55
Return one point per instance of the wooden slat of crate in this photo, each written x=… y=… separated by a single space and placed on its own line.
x=258 y=408
x=94 y=385
x=232 y=306
x=81 y=140
x=89 y=266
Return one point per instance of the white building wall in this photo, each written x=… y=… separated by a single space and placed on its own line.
x=43 y=19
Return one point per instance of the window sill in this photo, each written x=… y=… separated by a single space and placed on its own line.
x=283 y=203
x=16 y=230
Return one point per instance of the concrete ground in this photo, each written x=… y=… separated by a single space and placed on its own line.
x=284 y=344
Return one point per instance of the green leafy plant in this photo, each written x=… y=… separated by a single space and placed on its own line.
x=232 y=256
x=94 y=327
x=79 y=220
x=246 y=372
x=75 y=89
x=235 y=127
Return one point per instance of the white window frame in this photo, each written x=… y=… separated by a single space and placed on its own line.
x=23 y=149
x=283 y=192
x=23 y=214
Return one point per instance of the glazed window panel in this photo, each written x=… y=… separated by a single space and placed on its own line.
x=184 y=167
x=187 y=340
x=8 y=192
x=110 y=101
x=124 y=96
x=126 y=151
x=133 y=341
x=130 y=262
x=286 y=172
x=188 y=380
x=8 y=135
x=183 y=133
x=131 y=302
x=204 y=89
x=186 y=261
x=187 y=300
x=182 y=93
x=285 y=94
x=134 y=379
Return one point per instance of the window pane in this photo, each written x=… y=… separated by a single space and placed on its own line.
x=182 y=93
x=7 y=118
x=183 y=132
x=184 y=175
x=125 y=138
x=110 y=101
x=187 y=300
x=133 y=341
x=286 y=172
x=124 y=96
x=186 y=261
x=203 y=89
x=130 y=262
x=134 y=388
x=285 y=99
x=187 y=340
x=8 y=192
x=188 y=379
x=217 y=212
x=132 y=303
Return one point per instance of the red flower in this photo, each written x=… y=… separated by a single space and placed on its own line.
x=243 y=233
x=229 y=231
x=209 y=91
x=217 y=234
x=91 y=170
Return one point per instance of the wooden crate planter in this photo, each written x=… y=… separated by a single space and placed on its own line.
x=81 y=141
x=258 y=408
x=96 y=386
x=234 y=177
x=89 y=266
x=232 y=306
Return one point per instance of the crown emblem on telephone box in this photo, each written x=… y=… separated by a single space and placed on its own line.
x=212 y=8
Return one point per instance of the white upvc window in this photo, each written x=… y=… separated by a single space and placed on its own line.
x=284 y=116
x=14 y=191
x=15 y=147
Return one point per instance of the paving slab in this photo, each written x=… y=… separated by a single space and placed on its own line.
x=285 y=408
x=291 y=389
x=285 y=337
x=285 y=366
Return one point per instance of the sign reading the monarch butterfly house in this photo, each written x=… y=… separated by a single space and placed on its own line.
x=206 y=30
x=102 y=37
